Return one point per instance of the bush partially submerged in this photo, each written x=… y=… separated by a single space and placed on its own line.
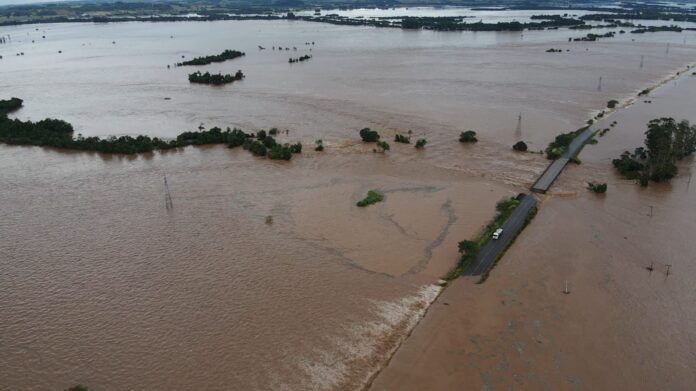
x=597 y=187
x=468 y=136
x=373 y=197
x=520 y=146
x=402 y=139
x=369 y=136
x=421 y=143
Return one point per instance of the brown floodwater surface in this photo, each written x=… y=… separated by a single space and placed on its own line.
x=620 y=327
x=101 y=285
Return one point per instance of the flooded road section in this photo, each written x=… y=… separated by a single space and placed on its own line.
x=266 y=275
x=620 y=327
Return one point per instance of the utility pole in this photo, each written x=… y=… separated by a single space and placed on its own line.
x=167 y=196
x=599 y=87
x=667 y=272
x=518 y=129
x=651 y=267
x=651 y=210
x=641 y=61
x=566 y=290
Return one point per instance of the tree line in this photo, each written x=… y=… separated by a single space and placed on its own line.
x=59 y=134
x=215 y=79
x=666 y=142
x=224 y=56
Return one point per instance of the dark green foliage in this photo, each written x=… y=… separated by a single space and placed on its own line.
x=208 y=78
x=236 y=138
x=402 y=139
x=383 y=145
x=300 y=59
x=457 y=23
x=612 y=103
x=552 y=50
x=520 y=146
x=268 y=141
x=273 y=131
x=10 y=105
x=224 y=56
x=319 y=145
x=255 y=147
x=644 y=92
x=78 y=387
x=468 y=136
x=373 y=197
x=666 y=142
x=370 y=136
x=261 y=134
x=278 y=152
x=296 y=148
x=560 y=145
x=597 y=187
x=420 y=143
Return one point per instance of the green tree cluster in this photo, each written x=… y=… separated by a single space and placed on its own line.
x=666 y=142
x=420 y=143
x=399 y=138
x=224 y=56
x=215 y=79
x=520 y=146
x=370 y=136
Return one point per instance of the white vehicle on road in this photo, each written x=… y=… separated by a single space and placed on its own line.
x=498 y=232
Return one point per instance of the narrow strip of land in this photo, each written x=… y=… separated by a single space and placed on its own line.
x=494 y=248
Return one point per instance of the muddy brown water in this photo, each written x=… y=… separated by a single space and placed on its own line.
x=101 y=285
x=621 y=327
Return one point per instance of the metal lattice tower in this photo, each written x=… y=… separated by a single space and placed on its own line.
x=167 y=195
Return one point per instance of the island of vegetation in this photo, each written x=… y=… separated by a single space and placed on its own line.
x=59 y=134
x=420 y=143
x=373 y=197
x=299 y=59
x=468 y=136
x=400 y=138
x=224 y=56
x=666 y=142
x=208 y=78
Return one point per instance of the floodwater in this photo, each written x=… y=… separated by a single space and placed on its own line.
x=101 y=285
x=620 y=327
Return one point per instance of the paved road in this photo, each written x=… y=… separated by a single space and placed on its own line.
x=556 y=167
x=491 y=250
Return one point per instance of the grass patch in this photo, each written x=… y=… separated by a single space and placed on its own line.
x=373 y=197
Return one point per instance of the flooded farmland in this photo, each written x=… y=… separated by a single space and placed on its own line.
x=101 y=285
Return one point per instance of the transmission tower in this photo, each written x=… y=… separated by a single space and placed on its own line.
x=167 y=196
x=641 y=61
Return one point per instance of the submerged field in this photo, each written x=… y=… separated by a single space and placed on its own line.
x=102 y=285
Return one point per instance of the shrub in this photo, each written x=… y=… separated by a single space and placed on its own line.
x=421 y=143
x=261 y=134
x=612 y=103
x=273 y=131
x=468 y=136
x=296 y=148
x=373 y=197
x=383 y=145
x=369 y=136
x=520 y=146
x=597 y=187
x=402 y=139
x=278 y=152
x=319 y=145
